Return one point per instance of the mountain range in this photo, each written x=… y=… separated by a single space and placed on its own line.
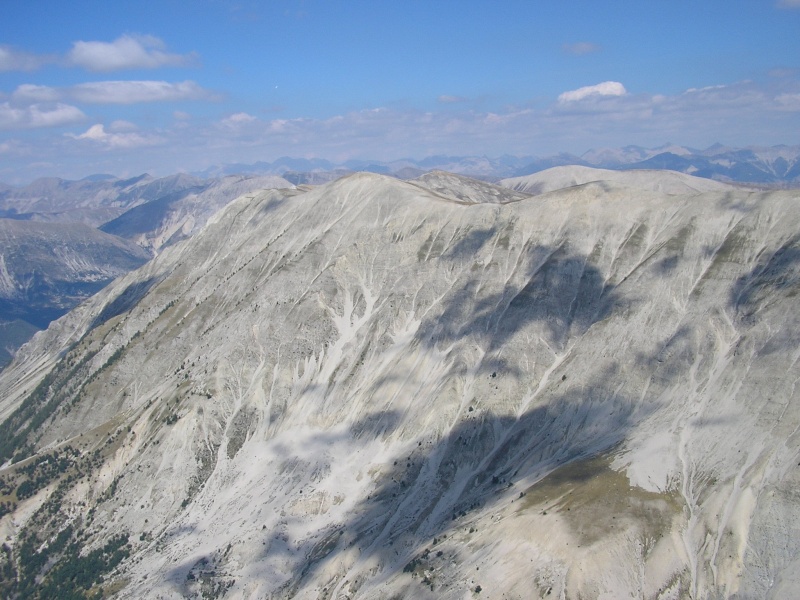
x=776 y=165
x=436 y=388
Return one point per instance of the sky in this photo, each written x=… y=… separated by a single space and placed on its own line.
x=176 y=85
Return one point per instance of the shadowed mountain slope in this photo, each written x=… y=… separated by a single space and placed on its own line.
x=371 y=390
x=88 y=201
x=179 y=215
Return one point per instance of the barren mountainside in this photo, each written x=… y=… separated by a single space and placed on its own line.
x=667 y=182
x=386 y=389
x=48 y=268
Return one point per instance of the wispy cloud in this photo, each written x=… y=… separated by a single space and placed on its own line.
x=238 y=119
x=36 y=116
x=29 y=94
x=17 y=60
x=607 y=88
x=134 y=92
x=782 y=72
x=788 y=3
x=580 y=48
x=126 y=52
x=113 y=92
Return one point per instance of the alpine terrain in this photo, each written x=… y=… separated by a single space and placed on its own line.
x=52 y=256
x=436 y=388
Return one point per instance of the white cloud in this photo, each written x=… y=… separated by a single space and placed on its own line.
x=95 y=132
x=580 y=48
x=16 y=60
x=708 y=88
x=238 y=119
x=38 y=115
x=607 y=88
x=126 y=52
x=98 y=134
x=788 y=4
x=133 y=92
x=29 y=94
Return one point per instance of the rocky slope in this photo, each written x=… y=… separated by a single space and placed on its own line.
x=371 y=390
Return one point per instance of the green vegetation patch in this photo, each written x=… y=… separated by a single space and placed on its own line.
x=597 y=501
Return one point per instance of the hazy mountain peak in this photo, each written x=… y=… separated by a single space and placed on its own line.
x=668 y=182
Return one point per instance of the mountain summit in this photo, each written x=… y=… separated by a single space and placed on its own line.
x=388 y=389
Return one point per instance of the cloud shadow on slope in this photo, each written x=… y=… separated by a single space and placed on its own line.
x=469 y=245
x=779 y=272
x=775 y=278
x=565 y=291
x=437 y=487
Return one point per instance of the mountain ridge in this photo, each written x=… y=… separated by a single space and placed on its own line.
x=659 y=180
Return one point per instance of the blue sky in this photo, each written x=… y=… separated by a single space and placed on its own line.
x=123 y=88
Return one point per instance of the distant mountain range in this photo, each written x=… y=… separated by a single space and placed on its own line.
x=776 y=165
x=92 y=200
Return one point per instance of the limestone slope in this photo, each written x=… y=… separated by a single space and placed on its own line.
x=177 y=216
x=369 y=390
x=666 y=182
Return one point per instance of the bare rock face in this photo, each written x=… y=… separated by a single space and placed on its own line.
x=372 y=389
